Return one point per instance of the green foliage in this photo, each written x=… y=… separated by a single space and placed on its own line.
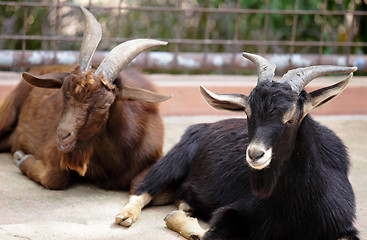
x=12 y=22
x=191 y=24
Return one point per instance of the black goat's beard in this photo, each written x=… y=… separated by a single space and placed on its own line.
x=263 y=182
x=77 y=159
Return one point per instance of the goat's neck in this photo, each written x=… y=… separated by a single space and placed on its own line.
x=123 y=122
x=302 y=171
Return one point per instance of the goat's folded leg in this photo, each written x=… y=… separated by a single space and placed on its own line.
x=52 y=177
x=29 y=165
x=188 y=227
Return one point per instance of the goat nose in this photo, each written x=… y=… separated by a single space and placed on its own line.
x=62 y=134
x=255 y=154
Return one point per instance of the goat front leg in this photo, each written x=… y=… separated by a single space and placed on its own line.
x=130 y=213
x=52 y=177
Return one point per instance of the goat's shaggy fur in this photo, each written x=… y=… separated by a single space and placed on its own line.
x=116 y=138
x=303 y=194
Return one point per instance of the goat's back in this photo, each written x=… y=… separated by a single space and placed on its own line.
x=41 y=70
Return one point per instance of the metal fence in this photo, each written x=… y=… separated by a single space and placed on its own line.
x=206 y=35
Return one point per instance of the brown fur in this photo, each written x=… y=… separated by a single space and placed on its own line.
x=115 y=139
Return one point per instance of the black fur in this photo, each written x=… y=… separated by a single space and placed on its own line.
x=304 y=193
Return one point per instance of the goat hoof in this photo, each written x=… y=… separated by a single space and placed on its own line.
x=19 y=157
x=124 y=220
x=128 y=216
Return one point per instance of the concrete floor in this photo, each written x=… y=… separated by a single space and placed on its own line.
x=29 y=211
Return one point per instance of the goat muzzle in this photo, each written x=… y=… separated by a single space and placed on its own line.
x=65 y=140
x=257 y=156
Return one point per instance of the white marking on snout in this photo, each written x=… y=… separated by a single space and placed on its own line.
x=262 y=162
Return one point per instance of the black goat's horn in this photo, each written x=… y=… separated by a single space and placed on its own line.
x=265 y=68
x=92 y=36
x=298 y=78
x=121 y=55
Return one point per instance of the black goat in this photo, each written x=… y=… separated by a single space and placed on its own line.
x=294 y=184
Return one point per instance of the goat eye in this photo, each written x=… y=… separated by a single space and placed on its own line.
x=290 y=121
x=103 y=106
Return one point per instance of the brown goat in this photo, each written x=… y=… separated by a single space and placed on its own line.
x=101 y=123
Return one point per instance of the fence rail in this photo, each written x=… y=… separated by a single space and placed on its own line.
x=212 y=41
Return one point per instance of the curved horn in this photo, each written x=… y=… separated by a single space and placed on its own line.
x=265 y=68
x=92 y=36
x=120 y=56
x=298 y=78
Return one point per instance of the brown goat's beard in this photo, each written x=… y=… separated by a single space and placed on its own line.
x=78 y=159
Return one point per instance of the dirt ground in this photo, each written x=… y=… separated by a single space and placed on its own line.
x=29 y=211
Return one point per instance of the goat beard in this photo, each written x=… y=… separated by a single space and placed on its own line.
x=264 y=181
x=78 y=159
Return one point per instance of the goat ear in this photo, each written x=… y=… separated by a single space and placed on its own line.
x=230 y=102
x=323 y=95
x=139 y=94
x=51 y=80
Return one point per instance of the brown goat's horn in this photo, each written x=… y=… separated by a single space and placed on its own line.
x=298 y=78
x=91 y=38
x=120 y=56
x=265 y=68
